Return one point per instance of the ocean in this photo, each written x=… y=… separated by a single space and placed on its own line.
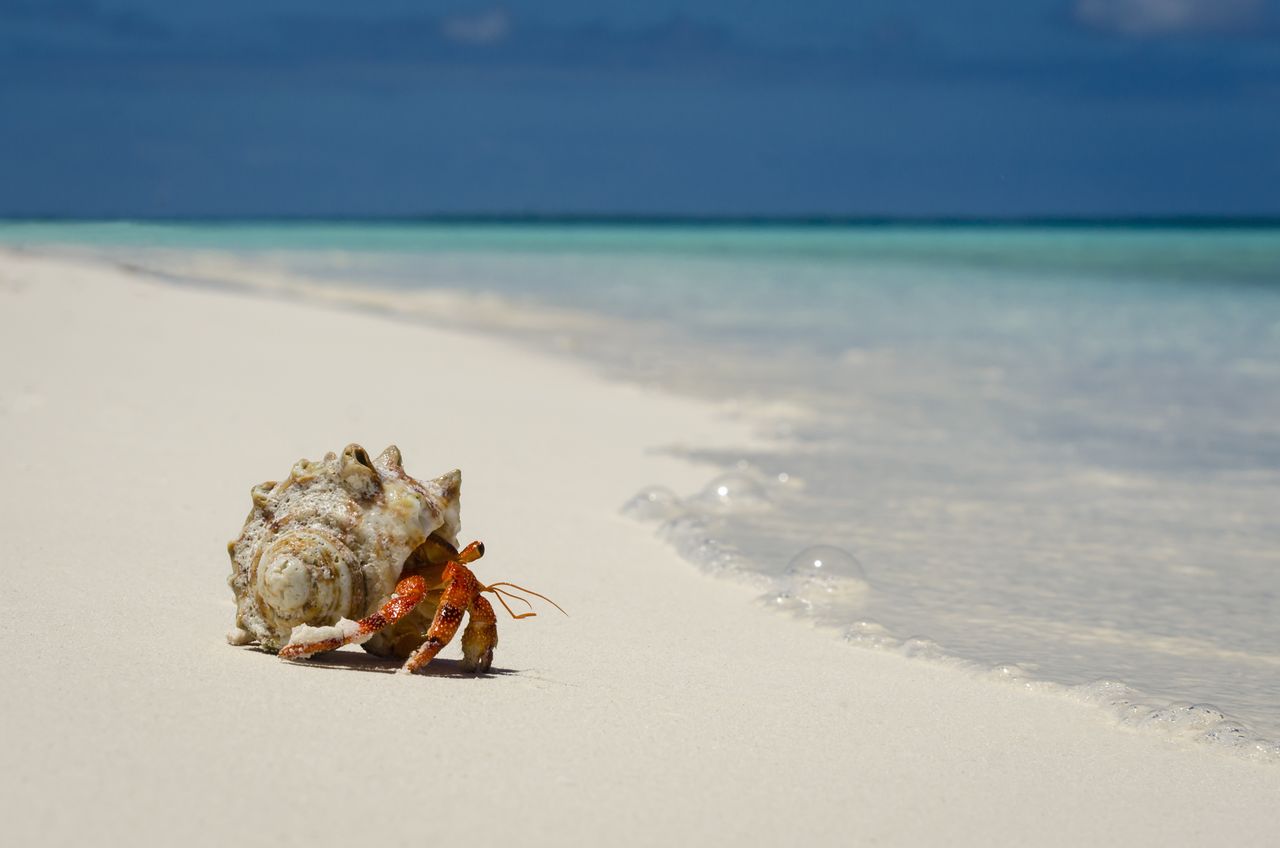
x=1049 y=454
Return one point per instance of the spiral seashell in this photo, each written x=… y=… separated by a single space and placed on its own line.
x=331 y=540
x=307 y=576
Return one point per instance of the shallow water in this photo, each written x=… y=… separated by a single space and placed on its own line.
x=1052 y=453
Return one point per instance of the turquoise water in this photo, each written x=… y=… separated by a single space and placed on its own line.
x=1051 y=454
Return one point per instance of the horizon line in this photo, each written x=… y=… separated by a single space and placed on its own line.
x=658 y=220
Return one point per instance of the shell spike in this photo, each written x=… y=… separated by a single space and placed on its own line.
x=261 y=492
x=357 y=471
x=450 y=483
x=390 y=457
x=355 y=453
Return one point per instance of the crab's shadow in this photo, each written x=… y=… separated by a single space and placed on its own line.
x=361 y=661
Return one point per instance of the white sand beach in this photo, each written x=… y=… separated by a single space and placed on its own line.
x=667 y=708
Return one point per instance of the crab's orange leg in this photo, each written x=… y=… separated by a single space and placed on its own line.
x=408 y=594
x=460 y=590
x=480 y=637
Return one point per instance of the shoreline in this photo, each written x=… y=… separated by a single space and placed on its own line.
x=578 y=337
x=667 y=704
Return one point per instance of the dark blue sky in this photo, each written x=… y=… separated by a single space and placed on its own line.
x=879 y=107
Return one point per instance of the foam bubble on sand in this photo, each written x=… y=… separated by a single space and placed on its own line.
x=693 y=538
x=829 y=585
x=821 y=575
x=870 y=634
x=694 y=525
x=1200 y=723
x=736 y=491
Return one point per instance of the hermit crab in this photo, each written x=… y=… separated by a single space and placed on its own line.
x=352 y=550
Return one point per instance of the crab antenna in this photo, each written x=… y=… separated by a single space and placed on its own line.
x=498 y=593
x=514 y=597
x=529 y=591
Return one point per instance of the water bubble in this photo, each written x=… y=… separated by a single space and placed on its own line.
x=923 y=648
x=798 y=596
x=1009 y=671
x=653 y=503
x=823 y=575
x=1184 y=717
x=683 y=530
x=826 y=561
x=783 y=599
x=869 y=634
x=694 y=539
x=1105 y=690
x=734 y=492
x=787 y=481
x=1205 y=713
x=866 y=625
x=1228 y=734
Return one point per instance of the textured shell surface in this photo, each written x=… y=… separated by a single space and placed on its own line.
x=330 y=540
